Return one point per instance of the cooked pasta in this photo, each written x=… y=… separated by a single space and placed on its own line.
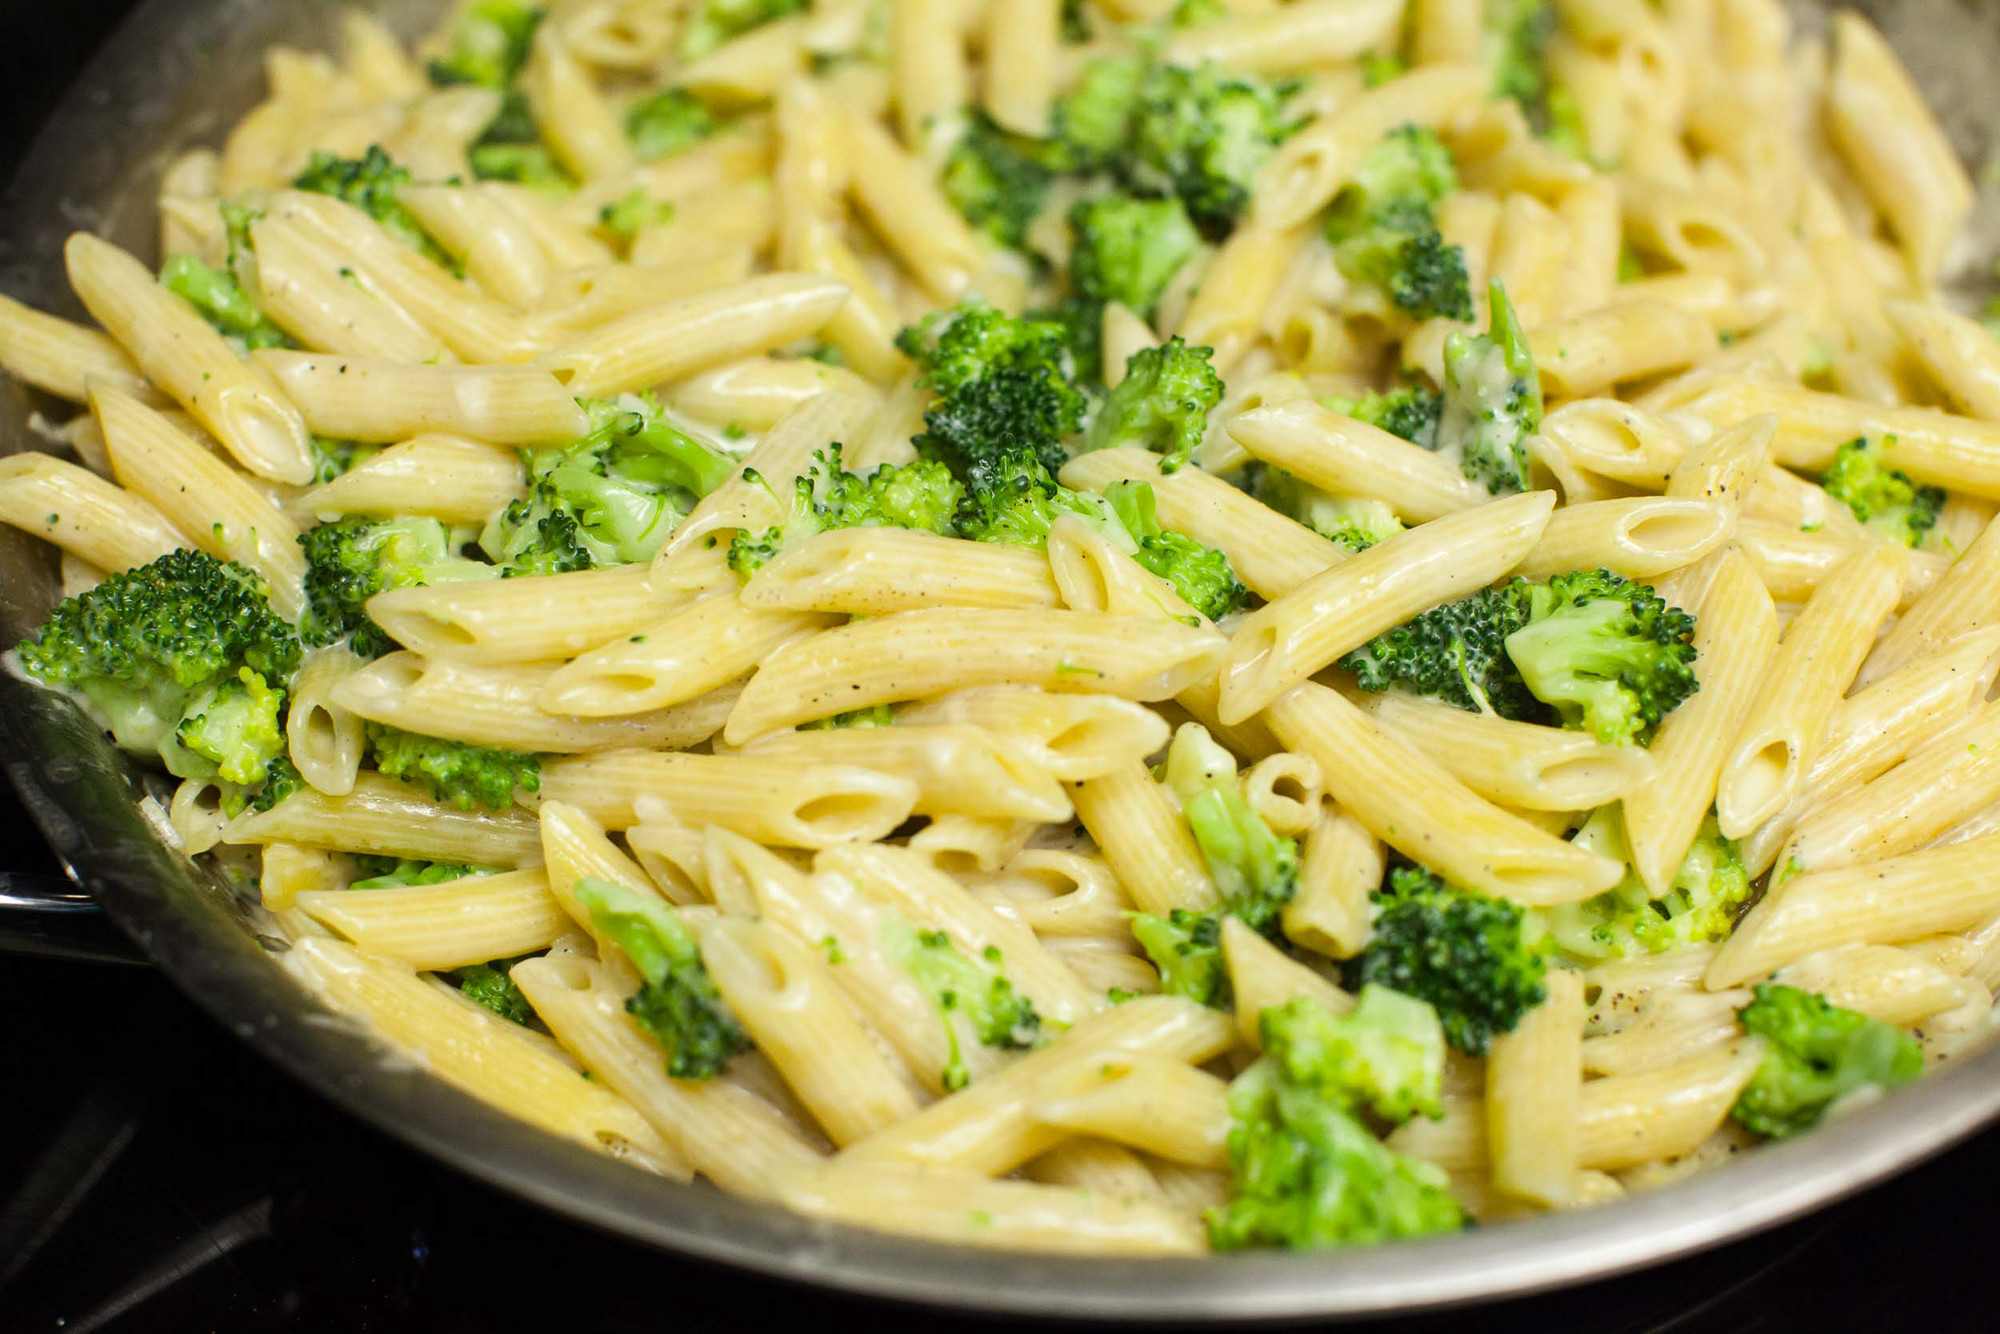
x=1402 y=694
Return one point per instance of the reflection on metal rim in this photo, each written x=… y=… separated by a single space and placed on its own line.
x=195 y=65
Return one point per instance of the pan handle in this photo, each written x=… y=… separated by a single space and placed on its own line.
x=47 y=916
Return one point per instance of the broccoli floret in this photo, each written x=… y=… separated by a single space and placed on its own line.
x=1202 y=135
x=1608 y=654
x=1094 y=122
x=335 y=458
x=1255 y=870
x=1194 y=13
x=1708 y=890
x=182 y=658
x=1305 y=1170
x=457 y=773
x=998 y=383
x=1466 y=954
x=1000 y=1016
x=488 y=45
x=397 y=872
x=1082 y=321
x=667 y=123
x=998 y=180
x=1591 y=649
x=1128 y=250
x=523 y=164
x=712 y=22
x=1517 y=42
x=1162 y=404
x=1455 y=652
x=609 y=498
x=221 y=300
x=353 y=559
x=371 y=183
x=1186 y=946
x=881 y=715
x=1880 y=496
x=234 y=727
x=625 y=218
x=1492 y=400
x=1196 y=135
x=1383 y=226
x=1201 y=575
x=1013 y=500
x=1378 y=67
x=488 y=984
x=1818 y=1053
x=1355 y=524
x=921 y=495
x=677 y=1003
x=1411 y=412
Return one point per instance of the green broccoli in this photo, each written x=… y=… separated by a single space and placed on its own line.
x=1094 y=123
x=1013 y=500
x=1355 y=524
x=1162 y=404
x=1202 y=135
x=220 y=299
x=336 y=458
x=1383 y=226
x=233 y=728
x=1082 y=321
x=487 y=48
x=1197 y=135
x=182 y=658
x=371 y=183
x=1880 y=496
x=1306 y=1172
x=353 y=559
x=1591 y=649
x=1466 y=954
x=997 y=383
x=1609 y=655
x=1708 y=890
x=998 y=180
x=524 y=164
x=1201 y=575
x=1186 y=946
x=626 y=217
x=1517 y=41
x=1000 y=1016
x=667 y=123
x=488 y=985
x=1818 y=1053
x=677 y=1003
x=1411 y=412
x=710 y=23
x=488 y=45
x=1128 y=250
x=921 y=495
x=880 y=715
x=609 y=498
x=1492 y=400
x=457 y=773
x=399 y=872
x=1255 y=871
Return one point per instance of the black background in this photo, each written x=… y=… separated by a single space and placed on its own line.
x=157 y=1175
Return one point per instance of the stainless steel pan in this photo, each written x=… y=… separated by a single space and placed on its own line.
x=178 y=73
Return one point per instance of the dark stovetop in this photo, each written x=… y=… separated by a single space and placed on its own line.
x=161 y=1177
